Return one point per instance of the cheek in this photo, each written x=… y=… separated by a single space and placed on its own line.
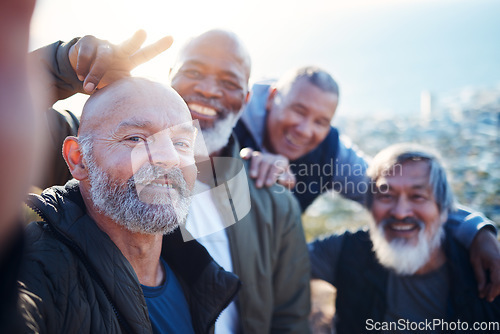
x=190 y=173
x=180 y=85
x=320 y=135
x=235 y=100
x=379 y=210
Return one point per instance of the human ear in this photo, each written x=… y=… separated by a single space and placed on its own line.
x=270 y=99
x=74 y=159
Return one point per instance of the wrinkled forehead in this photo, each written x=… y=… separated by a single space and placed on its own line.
x=149 y=102
x=414 y=174
x=217 y=48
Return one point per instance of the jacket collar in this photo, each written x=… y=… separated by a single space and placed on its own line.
x=208 y=287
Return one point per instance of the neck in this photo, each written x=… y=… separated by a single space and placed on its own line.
x=437 y=259
x=141 y=250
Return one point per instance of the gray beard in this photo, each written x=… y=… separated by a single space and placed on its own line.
x=121 y=202
x=398 y=255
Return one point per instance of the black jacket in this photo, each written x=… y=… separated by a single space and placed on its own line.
x=80 y=282
x=362 y=286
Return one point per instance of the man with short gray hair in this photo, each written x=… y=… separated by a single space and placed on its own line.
x=407 y=271
x=107 y=255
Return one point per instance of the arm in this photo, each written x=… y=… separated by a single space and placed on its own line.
x=478 y=234
x=87 y=63
x=465 y=224
x=324 y=255
x=291 y=273
x=56 y=77
x=17 y=121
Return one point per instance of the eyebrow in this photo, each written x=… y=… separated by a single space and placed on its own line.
x=144 y=124
x=414 y=187
x=133 y=123
x=184 y=127
x=199 y=63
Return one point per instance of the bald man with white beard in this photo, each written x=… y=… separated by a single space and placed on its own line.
x=107 y=255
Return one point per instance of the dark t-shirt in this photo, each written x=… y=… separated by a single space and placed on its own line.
x=167 y=306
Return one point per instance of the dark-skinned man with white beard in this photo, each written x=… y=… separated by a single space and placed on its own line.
x=255 y=233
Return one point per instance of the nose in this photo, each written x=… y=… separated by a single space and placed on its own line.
x=304 y=128
x=161 y=152
x=402 y=208
x=208 y=87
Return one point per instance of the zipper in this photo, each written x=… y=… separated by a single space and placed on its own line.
x=225 y=304
x=78 y=252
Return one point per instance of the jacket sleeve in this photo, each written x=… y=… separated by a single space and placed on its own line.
x=324 y=254
x=56 y=76
x=291 y=272
x=59 y=81
x=464 y=224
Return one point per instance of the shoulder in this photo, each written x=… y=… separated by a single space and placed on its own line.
x=275 y=200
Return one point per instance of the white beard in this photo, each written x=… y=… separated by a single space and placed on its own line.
x=217 y=137
x=398 y=255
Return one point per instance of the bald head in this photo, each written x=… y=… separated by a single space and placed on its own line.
x=223 y=40
x=132 y=95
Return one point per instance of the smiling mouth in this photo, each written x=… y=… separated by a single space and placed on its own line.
x=291 y=140
x=202 y=110
x=165 y=185
x=158 y=184
x=402 y=227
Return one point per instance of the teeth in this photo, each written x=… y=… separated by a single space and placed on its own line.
x=202 y=110
x=162 y=185
x=404 y=227
x=292 y=140
x=169 y=186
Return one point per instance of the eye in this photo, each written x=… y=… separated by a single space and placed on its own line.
x=299 y=111
x=322 y=123
x=184 y=145
x=418 y=197
x=134 y=139
x=192 y=74
x=231 y=85
x=384 y=197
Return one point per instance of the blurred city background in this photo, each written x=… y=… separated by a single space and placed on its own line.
x=464 y=126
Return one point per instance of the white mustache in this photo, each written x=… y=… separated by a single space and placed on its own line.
x=150 y=173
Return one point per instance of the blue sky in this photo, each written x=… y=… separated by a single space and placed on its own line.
x=383 y=53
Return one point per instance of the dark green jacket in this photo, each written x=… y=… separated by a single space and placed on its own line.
x=268 y=249
x=79 y=281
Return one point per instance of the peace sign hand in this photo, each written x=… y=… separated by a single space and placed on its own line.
x=98 y=63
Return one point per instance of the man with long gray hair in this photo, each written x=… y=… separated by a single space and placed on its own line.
x=407 y=272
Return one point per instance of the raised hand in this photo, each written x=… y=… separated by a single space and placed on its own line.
x=98 y=63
